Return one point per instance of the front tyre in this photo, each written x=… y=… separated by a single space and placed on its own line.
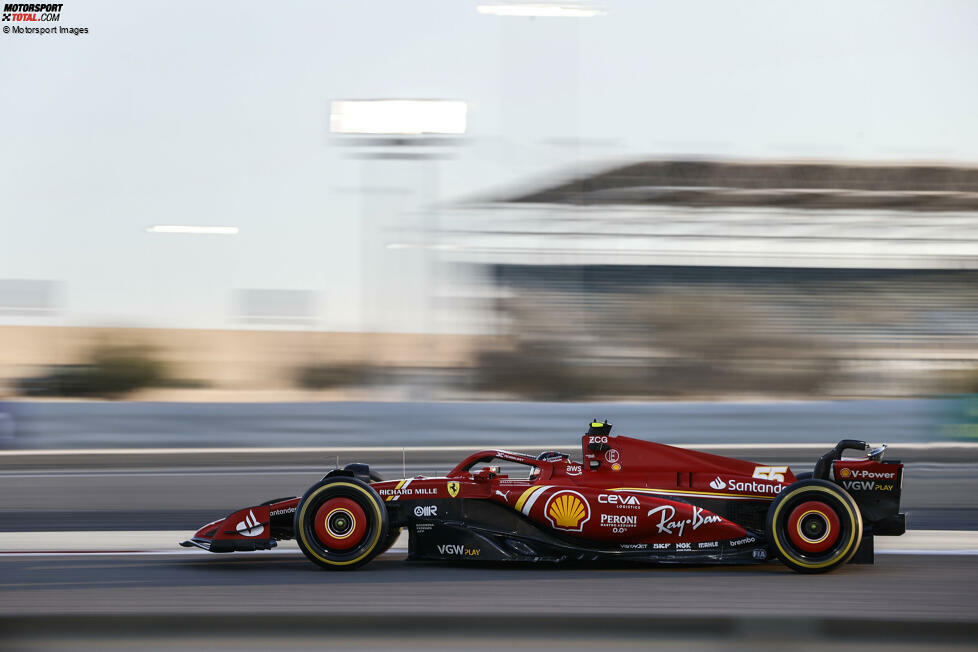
x=814 y=526
x=341 y=523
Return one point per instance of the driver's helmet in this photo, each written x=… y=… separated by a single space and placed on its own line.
x=552 y=456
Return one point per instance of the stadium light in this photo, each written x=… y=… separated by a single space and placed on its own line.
x=397 y=117
x=199 y=230
x=540 y=10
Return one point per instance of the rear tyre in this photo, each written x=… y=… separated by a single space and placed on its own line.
x=814 y=526
x=341 y=523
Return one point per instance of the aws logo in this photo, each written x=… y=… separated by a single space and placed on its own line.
x=567 y=510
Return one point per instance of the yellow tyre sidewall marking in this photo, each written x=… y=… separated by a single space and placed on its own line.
x=854 y=521
x=302 y=530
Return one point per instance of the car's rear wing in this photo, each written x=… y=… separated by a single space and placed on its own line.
x=873 y=483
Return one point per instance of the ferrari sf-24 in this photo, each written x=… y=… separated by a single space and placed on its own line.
x=626 y=500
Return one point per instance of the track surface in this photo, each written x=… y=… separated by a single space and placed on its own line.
x=898 y=587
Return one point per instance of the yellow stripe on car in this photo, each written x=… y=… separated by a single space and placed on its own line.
x=526 y=494
x=685 y=492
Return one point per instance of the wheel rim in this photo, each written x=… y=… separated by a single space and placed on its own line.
x=813 y=527
x=340 y=524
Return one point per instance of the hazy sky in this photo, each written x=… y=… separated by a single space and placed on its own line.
x=217 y=113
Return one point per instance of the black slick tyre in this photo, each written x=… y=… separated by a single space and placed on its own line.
x=814 y=526
x=341 y=523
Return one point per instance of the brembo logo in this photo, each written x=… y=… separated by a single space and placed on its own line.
x=249 y=527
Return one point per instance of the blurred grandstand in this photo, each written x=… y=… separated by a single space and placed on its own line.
x=706 y=278
x=656 y=279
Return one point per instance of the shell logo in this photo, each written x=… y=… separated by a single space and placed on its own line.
x=845 y=473
x=568 y=510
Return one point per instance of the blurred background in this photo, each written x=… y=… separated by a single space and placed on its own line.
x=446 y=200
x=463 y=223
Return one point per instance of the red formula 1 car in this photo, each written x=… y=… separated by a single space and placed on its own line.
x=627 y=500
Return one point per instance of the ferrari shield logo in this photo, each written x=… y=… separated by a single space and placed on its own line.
x=452 y=489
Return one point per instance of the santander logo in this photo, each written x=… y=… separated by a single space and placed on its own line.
x=249 y=527
x=718 y=484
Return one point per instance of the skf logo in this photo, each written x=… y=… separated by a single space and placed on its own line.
x=718 y=484
x=453 y=489
x=775 y=473
x=568 y=510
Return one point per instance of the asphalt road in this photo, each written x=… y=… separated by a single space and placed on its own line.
x=897 y=587
x=937 y=496
x=95 y=424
